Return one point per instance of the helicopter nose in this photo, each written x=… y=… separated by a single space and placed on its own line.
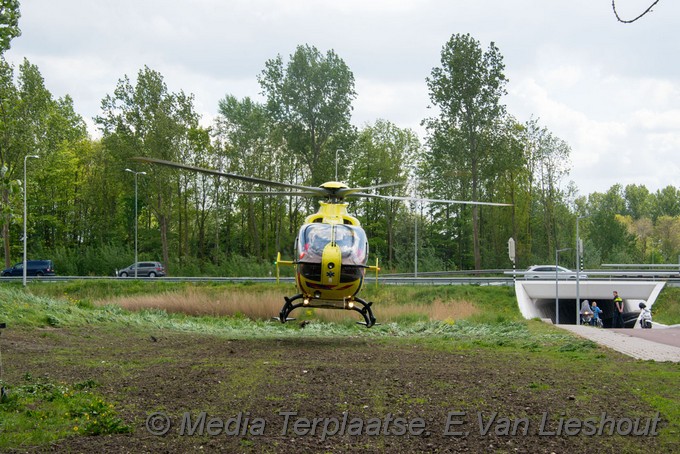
x=330 y=259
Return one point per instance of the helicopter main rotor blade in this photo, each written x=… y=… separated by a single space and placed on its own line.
x=313 y=190
x=286 y=193
x=346 y=192
x=418 y=199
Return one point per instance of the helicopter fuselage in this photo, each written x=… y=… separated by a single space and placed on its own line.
x=331 y=253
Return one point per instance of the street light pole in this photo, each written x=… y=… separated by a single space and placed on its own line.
x=415 y=228
x=557 y=286
x=579 y=251
x=336 y=162
x=415 y=243
x=25 y=214
x=136 y=218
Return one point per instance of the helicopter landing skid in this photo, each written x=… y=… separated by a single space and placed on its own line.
x=364 y=309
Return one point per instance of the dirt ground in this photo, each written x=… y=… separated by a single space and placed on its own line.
x=393 y=395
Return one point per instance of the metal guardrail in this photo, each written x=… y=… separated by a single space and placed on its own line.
x=389 y=280
x=141 y=278
x=668 y=266
x=470 y=280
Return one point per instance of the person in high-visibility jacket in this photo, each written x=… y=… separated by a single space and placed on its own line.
x=618 y=311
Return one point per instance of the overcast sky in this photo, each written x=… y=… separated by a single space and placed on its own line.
x=610 y=90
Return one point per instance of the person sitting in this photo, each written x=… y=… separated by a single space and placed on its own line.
x=645 y=316
x=596 y=315
x=586 y=313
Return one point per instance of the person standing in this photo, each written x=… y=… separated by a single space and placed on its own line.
x=618 y=311
x=596 y=315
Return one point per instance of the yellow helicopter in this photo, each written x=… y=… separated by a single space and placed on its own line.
x=331 y=250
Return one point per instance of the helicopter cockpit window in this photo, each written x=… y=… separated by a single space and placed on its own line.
x=313 y=239
x=350 y=239
x=352 y=243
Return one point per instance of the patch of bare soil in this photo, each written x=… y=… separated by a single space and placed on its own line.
x=324 y=395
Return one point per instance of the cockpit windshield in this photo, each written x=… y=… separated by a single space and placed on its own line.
x=350 y=239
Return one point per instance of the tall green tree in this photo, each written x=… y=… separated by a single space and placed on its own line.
x=467 y=89
x=251 y=149
x=25 y=107
x=384 y=153
x=146 y=119
x=511 y=185
x=667 y=238
x=666 y=202
x=610 y=236
x=638 y=201
x=59 y=215
x=546 y=163
x=310 y=98
x=9 y=23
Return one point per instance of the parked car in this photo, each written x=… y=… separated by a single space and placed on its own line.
x=33 y=268
x=548 y=272
x=144 y=269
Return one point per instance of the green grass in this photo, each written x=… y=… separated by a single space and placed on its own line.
x=40 y=411
x=666 y=309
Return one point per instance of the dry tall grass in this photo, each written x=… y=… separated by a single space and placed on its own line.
x=266 y=305
x=196 y=302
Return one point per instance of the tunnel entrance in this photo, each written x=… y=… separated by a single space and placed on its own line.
x=536 y=299
x=546 y=307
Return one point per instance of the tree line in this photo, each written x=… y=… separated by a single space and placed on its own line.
x=82 y=200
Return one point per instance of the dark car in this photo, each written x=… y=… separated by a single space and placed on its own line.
x=33 y=268
x=144 y=269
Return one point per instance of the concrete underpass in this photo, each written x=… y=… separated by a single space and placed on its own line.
x=538 y=298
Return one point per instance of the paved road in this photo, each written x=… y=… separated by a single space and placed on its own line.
x=656 y=344
x=668 y=336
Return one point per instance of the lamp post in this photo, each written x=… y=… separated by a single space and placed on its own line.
x=25 y=236
x=136 y=173
x=557 y=286
x=336 y=162
x=579 y=253
x=415 y=228
x=415 y=242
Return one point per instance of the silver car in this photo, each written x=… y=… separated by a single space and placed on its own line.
x=144 y=269
x=548 y=272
